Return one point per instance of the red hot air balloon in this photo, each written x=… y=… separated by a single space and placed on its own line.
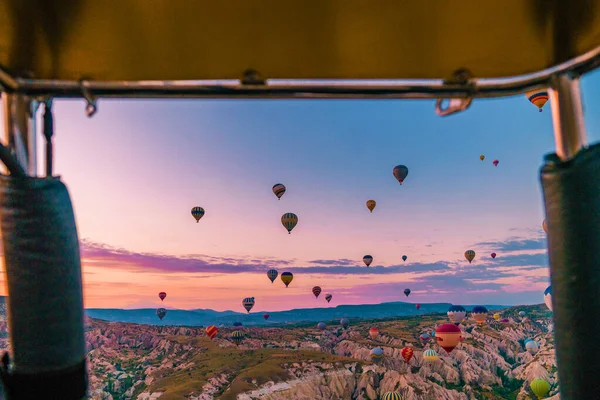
x=418 y=306
x=316 y=291
x=407 y=354
x=211 y=331
x=493 y=255
x=448 y=336
x=162 y=295
x=266 y=316
x=495 y=163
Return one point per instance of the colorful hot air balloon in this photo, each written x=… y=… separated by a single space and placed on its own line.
x=162 y=295
x=479 y=314
x=456 y=314
x=237 y=337
x=493 y=255
x=328 y=297
x=367 y=260
x=448 y=336
x=400 y=172
x=538 y=98
x=373 y=333
x=417 y=306
x=482 y=157
x=371 y=205
x=495 y=162
x=404 y=258
x=548 y=297
x=279 y=190
x=425 y=338
x=496 y=316
x=272 y=275
x=532 y=347
x=376 y=354
x=406 y=292
x=266 y=316
x=545 y=226
x=505 y=320
x=197 y=213
x=161 y=312
x=287 y=278
x=539 y=387
x=316 y=291
x=248 y=303
x=522 y=314
x=344 y=323
x=407 y=353
x=391 y=396
x=289 y=221
x=321 y=326
x=469 y=255
x=211 y=331
x=430 y=356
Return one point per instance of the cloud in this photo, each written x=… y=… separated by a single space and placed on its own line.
x=516 y=244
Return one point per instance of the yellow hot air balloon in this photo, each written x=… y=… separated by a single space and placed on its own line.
x=479 y=314
x=371 y=205
x=469 y=255
x=482 y=157
x=538 y=98
x=289 y=221
x=539 y=387
x=496 y=317
x=430 y=355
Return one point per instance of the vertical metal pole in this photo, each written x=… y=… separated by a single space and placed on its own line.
x=20 y=130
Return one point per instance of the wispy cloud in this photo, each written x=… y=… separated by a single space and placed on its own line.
x=516 y=244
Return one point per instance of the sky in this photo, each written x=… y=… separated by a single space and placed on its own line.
x=136 y=168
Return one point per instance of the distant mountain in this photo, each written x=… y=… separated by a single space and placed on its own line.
x=200 y=317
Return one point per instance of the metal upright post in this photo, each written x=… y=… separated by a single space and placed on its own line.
x=20 y=131
x=571 y=186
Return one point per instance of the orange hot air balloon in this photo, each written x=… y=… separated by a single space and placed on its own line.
x=373 y=332
x=469 y=255
x=371 y=205
x=448 y=336
x=538 y=98
x=407 y=354
x=162 y=295
x=211 y=331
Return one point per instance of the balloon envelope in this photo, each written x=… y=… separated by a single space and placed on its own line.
x=470 y=255
x=373 y=333
x=162 y=295
x=321 y=326
x=540 y=387
x=279 y=190
x=407 y=353
x=197 y=213
x=289 y=221
x=371 y=205
x=448 y=336
x=211 y=331
x=367 y=260
x=287 y=278
x=548 y=297
x=400 y=173
x=456 y=314
x=272 y=275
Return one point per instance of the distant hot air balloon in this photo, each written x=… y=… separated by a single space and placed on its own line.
x=505 y=320
x=493 y=255
x=404 y=258
x=272 y=275
x=447 y=336
x=482 y=157
x=391 y=396
x=430 y=356
x=289 y=221
x=279 y=190
x=479 y=314
x=237 y=337
x=545 y=226
x=373 y=333
x=522 y=314
x=496 y=316
x=248 y=303
x=425 y=338
x=400 y=172
x=237 y=324
x=328 y=297
x=376 y=354
x=417 y=306
x=161 y=312
x=266 y=316
x=316 y=291
x=469 y=255
x=538 y=98
x=367 y=260
x=548 y=297
x=456 y=314
x=539 y=387
x=197 y=213
x=162 y=295
x=344 y=323
x=371 y=205
x=407 y=353
x=211 y=331
x=532 y=347
x=321 y=326
x=287 y=278
x=495 y=162
x=406 y=292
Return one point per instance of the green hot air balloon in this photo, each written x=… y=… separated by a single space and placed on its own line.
x=539 y=387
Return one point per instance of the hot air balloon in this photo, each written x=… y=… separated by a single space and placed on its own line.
x=316 y=291
x=407 y=353
x=522 y=314
x=404 y=258
x=279 y=190
x=425 y=338
x=456 y=314
x=162 y=295
x=321 y=326
x=469 y=255
x=479 y=314
x=548 y=297
x=495 y=162
x=161 y=312
x=482 y=157
x=430 y=356
x=211 y=331
x=328 y=297
x=539 y=387
x=266 y=316
x=433 y=333
x=391 y=396
x=373 y=332
x=407 y=292
x=272 y=275
x=417 y=306
x=287 y=278
x=448 y=336
x=545 y=226
x=197 y=213
x=248 y=303
x=493 y=255
x=505 y=320
x=237 y=324
x=496 y=316
x=371 y=205
x=367 y=260
x=345 y=323
x=289 y=221
x=237 y=337
x=532 y=347
x=538 y=98
x=376 y=354
x=400 y=172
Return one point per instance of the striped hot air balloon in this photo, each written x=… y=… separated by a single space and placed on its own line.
x=373 y=333
x=425 y=338
x=197 y=213
x=368 y=259
x=328 y=297
x=376 y=354
x=287 y=278
x=538 y=98
x=448 y=336
x=272 y=275
x=279 y=190
x=479 y=314
x=211 y=331
x=160 y=313
x=289 y=221
x=391 y=396
x=316 y=291
x=407 y=353
x=430 y=356
x=248 y=303
x=237 y=337
x=469 y=255
x=456 y=314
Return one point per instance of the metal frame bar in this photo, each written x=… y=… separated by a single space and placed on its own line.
x=20 y=130
x=567 y=116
